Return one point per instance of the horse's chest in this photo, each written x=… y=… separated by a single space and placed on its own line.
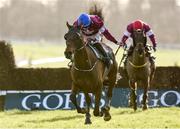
x=86 y=81
x=139 y=73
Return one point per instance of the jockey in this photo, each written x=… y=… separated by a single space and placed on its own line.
x=139 y=25
x=92 y=28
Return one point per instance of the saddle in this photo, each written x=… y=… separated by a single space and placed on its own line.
x=98 y=54
x=108 y=60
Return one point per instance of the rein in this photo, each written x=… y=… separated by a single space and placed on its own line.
x=84 y=70
x=81 y=47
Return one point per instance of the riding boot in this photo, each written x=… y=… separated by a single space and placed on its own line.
x=105 y=58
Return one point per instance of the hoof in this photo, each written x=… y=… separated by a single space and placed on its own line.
x=107 y=116
x=135 y=107
x=81 y=110
x=98 y=114
x=87 y=122
x=144 y=107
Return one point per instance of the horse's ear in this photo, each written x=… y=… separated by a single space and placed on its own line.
x=68 y=25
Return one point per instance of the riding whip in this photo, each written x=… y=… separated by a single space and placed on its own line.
x=117 y=50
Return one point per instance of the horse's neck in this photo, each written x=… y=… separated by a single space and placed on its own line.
x=82 y=59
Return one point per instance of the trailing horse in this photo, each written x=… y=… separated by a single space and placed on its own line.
x=138 y=69
x=88 y=74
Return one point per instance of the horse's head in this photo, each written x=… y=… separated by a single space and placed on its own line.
x=73 y=40
x=139 y=41
x=140 y=48
x=139 y=36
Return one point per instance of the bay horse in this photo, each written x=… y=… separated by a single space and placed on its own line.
x=87 y=74
x=138 y=69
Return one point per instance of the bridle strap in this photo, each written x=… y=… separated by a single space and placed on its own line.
x=137 y=66
x=86 y=70
x=82 y=47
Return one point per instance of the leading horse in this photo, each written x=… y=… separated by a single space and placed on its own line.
x=138 y=69
x=87 y=74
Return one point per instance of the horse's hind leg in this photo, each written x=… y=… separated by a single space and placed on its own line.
x=133 y=96
x=74 y=91
x=106 y=108
x=88 y=115
x=109 y=91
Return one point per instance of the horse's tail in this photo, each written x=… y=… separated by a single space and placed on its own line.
x=96 y=9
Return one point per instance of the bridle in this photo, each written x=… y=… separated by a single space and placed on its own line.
x=79 y=49
x=138 y=66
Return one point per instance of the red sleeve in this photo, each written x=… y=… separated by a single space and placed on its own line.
x=124 y=38
x=130 y=28
x=109 y=36
x=153 y=40
x=127 y=33
x=96 y=21
x=75 y=24
x=146 y=27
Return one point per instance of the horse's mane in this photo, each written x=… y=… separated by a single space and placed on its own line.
x=95 y=9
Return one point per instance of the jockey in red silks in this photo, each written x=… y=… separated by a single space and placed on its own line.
x=139 y=25
x=92 y=28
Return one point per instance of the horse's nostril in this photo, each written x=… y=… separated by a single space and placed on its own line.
x=68 y=55
x=65 y=36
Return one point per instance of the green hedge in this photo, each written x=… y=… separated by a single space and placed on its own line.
x=7 y=62
x=40 y=79
x=12 y=78
x=165 y=78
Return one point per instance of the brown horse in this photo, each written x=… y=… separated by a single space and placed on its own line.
x=87 y=74
x=138 y=69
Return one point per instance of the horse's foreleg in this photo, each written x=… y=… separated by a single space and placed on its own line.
x=88 y=115
x=73 y=99
x=97 y=102
x=133 y=95
x=145 y=95
x=152 y=73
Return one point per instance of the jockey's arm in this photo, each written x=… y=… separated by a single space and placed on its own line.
x=75 y=24
x=151 y=35
x=152 y=38
x=107 y=34
x=126 y=35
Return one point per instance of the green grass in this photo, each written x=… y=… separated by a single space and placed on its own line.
x=121 y=118
x=33 y=51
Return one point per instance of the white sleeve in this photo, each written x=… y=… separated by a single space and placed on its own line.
x=126 y=33
x=149 y=33
x=102 y=29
